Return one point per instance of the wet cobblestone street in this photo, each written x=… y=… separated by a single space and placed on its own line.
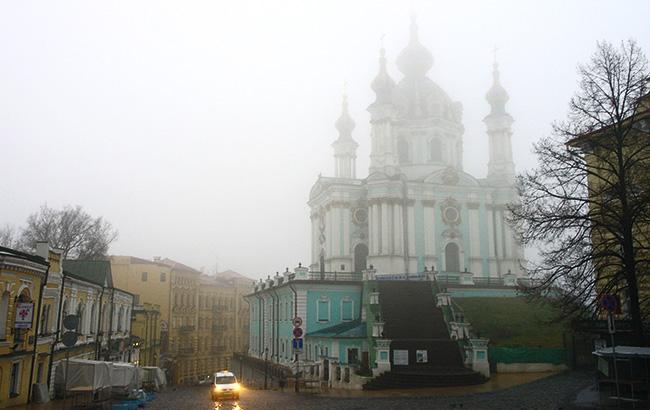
x=554 y=392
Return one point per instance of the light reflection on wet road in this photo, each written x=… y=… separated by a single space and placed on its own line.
x=227 y=405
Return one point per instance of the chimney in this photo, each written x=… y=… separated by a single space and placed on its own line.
x=43 y=249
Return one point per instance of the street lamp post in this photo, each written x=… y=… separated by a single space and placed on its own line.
x=266 y=367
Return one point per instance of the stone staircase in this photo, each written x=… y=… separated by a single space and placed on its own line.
x=412 y=322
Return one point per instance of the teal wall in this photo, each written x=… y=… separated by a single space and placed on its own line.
x=335 y=297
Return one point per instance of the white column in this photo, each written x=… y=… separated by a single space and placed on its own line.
x=398 y=232
x=376 y=228
x=346 y=232
x=411 y=230
x=385 y=239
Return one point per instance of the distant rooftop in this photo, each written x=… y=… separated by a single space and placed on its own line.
x=231 y=274
x=95 y=271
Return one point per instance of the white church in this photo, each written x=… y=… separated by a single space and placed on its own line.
x=417 y=209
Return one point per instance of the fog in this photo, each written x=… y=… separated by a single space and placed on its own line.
x=198 y=128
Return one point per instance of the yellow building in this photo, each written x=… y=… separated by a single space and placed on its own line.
x=183 y=356
x=203 y=319
x=23 y=360
x=145 y=328
x=630 y=139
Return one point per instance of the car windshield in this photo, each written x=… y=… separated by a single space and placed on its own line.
x=225 y=379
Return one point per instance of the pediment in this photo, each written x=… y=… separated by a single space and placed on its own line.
x=451 y=177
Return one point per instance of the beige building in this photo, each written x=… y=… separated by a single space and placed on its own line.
x=203 y=319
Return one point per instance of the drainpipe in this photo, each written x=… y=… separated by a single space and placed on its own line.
x=58 y=329
x=38 y=323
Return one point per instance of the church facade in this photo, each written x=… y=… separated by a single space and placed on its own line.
x=417 y=209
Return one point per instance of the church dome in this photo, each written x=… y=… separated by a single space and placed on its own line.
x=345 y=124
x=415 y=60
x=383 y=85
x=497 y=96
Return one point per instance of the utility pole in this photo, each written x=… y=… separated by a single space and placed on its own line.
x=297 y=386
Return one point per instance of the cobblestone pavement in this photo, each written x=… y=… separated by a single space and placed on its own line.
x=555 y=392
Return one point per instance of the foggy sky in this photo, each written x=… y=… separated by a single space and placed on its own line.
x=198 y=128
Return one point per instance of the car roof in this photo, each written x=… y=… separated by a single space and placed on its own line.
x=223 y=374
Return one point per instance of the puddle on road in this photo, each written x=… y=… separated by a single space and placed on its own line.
x=498 y=381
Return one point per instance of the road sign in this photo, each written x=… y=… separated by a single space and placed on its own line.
x=70 y=322
x=297 y=332
x=24 y=315
x=609 y=302
x=70 y=338
x=297 y=344
x=297 y=321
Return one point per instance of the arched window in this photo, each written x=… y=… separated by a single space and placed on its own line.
x=80 y=316
x=120 y=318
x=4 y=310
x=452 y=258
x=403 y=151
x=45 y=320
x=435 y=150
x=360 y=257
x=93 y=318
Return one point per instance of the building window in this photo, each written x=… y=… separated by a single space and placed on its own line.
x=14 y=383
x=323 y=309
x=347 y=310
x=93 y=318
x=4 y=310
x=163 y=276
x=45 y=320
x=80 y=319
x=144 y=276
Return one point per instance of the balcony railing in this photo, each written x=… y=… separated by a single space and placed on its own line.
x=334 y=276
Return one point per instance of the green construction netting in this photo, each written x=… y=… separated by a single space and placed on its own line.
x=527 y=355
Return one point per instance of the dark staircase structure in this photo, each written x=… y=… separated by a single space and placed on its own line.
x=413 y=322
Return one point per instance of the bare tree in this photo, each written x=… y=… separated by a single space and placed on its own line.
x=71 y=229
x=587 y=204
x=10 y=237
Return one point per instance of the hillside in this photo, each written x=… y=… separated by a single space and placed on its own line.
x=513 y=322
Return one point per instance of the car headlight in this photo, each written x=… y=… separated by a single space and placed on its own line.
x=236 y=386
x=217 y=388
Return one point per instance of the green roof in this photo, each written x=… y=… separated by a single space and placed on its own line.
x=346 y=330
x=95 y=271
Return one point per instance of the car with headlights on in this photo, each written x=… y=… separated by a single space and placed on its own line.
x=224 y=386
